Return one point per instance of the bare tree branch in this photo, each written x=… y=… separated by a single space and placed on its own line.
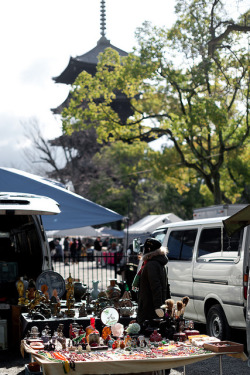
x=217 y=40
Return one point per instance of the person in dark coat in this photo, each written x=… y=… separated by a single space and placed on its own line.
x=152 y=282
x=73 y=250
x=98 y=250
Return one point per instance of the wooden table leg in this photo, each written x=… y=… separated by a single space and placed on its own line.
x=220 y=359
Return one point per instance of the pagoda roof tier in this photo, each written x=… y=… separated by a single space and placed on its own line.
x=120 y=104
x=88 y=62
x=58 y=110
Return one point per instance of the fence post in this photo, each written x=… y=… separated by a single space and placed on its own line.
x=115 y=264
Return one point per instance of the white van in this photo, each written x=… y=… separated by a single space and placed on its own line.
x=212 y=269
x=24 y=249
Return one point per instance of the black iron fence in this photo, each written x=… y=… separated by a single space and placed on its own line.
x=102 y=268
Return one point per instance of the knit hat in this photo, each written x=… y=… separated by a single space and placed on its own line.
x=151 y=244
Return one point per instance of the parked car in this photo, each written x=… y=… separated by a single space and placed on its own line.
x=24 y=249
x=212 y=269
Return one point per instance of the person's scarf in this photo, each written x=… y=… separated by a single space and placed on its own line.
x=135 y=283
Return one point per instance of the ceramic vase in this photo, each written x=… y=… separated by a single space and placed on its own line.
x=79 y=290
x=95 y=291
x=113 y=291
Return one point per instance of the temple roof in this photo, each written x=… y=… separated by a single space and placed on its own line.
x=88 y=62
x=120 y=104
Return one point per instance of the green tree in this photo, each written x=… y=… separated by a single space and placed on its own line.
x=125 y=183
x=190 y=83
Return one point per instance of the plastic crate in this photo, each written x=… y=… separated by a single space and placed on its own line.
x=28 y=372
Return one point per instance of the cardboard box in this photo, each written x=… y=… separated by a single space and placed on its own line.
x=224 y=347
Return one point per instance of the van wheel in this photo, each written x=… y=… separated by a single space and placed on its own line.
x=217 y=325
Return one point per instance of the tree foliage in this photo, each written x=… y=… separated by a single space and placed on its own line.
x=125 y=181
x=190 y=83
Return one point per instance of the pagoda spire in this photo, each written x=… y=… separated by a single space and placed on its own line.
x=88 y=63
x=103 y=18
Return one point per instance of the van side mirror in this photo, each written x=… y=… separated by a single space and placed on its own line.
x=137 y=245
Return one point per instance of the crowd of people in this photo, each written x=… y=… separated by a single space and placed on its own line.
x=73 y=249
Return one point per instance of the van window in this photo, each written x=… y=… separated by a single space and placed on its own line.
x=160 y=234
x=212 y=246
x=181 y=244
x=20 y=242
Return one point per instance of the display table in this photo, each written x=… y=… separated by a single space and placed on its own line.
x=122 y=362
x=53 y=323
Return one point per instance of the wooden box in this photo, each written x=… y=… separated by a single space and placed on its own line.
x=224 y=347
x=30 y=372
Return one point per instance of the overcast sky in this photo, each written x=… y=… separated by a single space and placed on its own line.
x=37 y=39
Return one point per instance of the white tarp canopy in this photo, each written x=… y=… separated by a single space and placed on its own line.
x=86 y=232
x=144 y=227
x=109 y=232
x=74 y=232
x=76 y=211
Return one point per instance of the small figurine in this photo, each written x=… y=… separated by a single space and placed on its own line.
x=169 y=308
x=44 y=290
x=94 y=338
x=106 y=331
x=35 y=301
x=117 y=330
x=155 y=337
x=69 y=287
x=133 y=328
x=141 y=342
x=82 y=311
x=34 y=333
x=179 y=306
x=46 y=335
x=61 y=337
x=185 y=301
x=31 y=289
x=20 y=289
x=70 y=300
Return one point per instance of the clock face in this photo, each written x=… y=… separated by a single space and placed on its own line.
x=109 y=316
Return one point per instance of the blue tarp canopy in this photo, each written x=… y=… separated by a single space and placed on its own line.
x=76 y=211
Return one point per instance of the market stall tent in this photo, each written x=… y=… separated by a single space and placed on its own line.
x=87 y=231
x=109 y=232
x=236 y=222
x=232 y=224
x=144 y=227
x=76 y=211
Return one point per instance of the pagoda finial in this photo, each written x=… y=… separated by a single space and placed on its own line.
x=103 y=18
